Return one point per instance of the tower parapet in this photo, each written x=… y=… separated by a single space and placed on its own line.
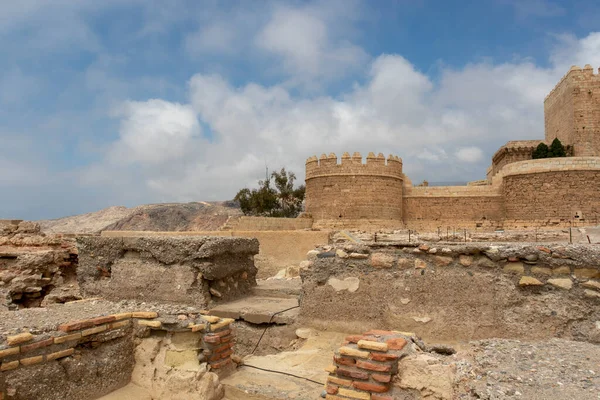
x=376 y=165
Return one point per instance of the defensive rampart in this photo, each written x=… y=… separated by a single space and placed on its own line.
x=353 y=190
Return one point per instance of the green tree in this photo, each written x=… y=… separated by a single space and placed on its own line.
x=557 y=149
x=541 y=151
x=282 y=201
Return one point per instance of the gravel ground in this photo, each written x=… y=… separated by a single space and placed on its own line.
x=510 y=369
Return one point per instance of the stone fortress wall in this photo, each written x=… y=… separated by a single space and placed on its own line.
x=519 y=190
x=353 y=190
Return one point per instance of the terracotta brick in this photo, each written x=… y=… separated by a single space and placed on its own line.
x=344 y=361
x=11 y=351
x=354 y=338
x=212 y=339
x=342 y=371
x=67 y=338
x=221 y=364
x=226 y=339
x=381 y=397
x=20 y=338
x=222 y=333
x=120 y=324
x=223 y=347
x=103 y=320
x=370 y=345
x=331 y=389
x=396 y=344
x=121 y=316
x=60 y=354
x=144 y=314
x=332 y=369
x=31 y=360
x=37 y=345
x=226 y=354
x=383 y=357
x=95 y=330
x=371 y=387
x=353 y=394
x=75 y=325
x=383 y=378
x=7 y=366
x=373 y=367
x=339 y=381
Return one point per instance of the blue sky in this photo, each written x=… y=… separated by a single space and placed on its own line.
x=126 y=102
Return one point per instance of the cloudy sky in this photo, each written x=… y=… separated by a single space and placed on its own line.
x=127 y=102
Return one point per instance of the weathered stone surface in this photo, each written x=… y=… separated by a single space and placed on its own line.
x=382 y=260
x=529 y=281
x=350 y=284
x=465 y=261
x=562 y=283
x=516 y=268
x=341 y=253
x=589 y=273
x=591 y=285
x=426 y=375
x=541 y=271
x=420 y=264
x=442 y=261
x=561 y=271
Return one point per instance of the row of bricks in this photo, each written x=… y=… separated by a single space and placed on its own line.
x=57 y=340
x=345 y=394
x=334 y=383
x=7 y=366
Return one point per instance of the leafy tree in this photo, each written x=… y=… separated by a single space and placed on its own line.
x=541 y=151
x=557 y=149
x=282 y=201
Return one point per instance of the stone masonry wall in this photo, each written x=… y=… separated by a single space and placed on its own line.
x=246 y=223
x=353 y=190
x=185 y=270
x=455 y=292
x=572 y=111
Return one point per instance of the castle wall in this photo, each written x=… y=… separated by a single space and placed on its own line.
x=353 y=190
x=572 y=111
x=552 y=189
x=246 y=223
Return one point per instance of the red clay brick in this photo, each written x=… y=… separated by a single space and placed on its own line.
x=37 y=345
x=223 y=347
x=383 y=378
x=371 y=387
x=226 y=339
x=354 y=338
x=226 y=354
x=373 y=367
x=75 y=325
x=103 y=320
x=220 y=364
x=396 y=344
x=352 y=374
x=344 y=360
x=331 y=389
x=222 y=333
x=383 y=357
x=212 y=339
x=381 y=397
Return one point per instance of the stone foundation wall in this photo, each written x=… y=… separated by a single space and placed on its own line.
x=86 y=359
x=456 y=292
x=185 y=270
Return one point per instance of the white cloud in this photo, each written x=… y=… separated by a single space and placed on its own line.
x=465 y=115
x=470 y=154
x=303 y=39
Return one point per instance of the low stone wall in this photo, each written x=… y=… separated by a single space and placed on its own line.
x=185 y=270
x=86 y=359
x=268 y=224
x=278 y=249
x=456 y=292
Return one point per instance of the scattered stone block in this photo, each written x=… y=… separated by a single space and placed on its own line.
x=562 y=283
x=529 y=281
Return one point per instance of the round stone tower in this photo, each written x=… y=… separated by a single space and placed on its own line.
x=351 y=190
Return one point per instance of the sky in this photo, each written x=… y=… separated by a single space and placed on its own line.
x=128 y=102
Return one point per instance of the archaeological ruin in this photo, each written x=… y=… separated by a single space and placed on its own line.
x=381 y=290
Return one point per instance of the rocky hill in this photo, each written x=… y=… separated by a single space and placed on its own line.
x=197 y=216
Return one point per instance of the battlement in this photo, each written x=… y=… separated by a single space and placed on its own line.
x=585 y=73
x=378 y=165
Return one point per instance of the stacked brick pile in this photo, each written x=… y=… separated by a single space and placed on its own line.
x=363 y=368
x=25 y=349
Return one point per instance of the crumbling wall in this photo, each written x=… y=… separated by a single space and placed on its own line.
x=186 y=270
x=456 y=292
x=35 y=269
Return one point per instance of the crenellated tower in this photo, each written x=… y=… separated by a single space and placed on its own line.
x=572 y=112
x=353 y=190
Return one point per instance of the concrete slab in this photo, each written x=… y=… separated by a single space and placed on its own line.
x=259 y=310
x=307 y=362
